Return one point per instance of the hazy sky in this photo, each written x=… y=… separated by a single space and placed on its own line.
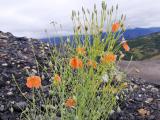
x=30 y=17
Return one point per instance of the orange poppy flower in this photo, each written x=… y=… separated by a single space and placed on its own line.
x=115 y=27
x=92 y=63
x=125 y=46
x=110 y=57
x=33 y=82
x=76 y=63
x=57 y=79
x=81 y=51
x=70 y=102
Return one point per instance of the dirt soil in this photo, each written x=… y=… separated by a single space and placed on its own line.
x=148 y=70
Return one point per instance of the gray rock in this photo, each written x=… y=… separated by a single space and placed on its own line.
x=143 y=89
x=139 y=98
x=20 y=106
x=4 y=64
x=2 y=108
x=3 y=36
x=154 y=90
x=8 y=82
x=34 y=71
x=9 y=93
x=149 y=100
x=149 y=86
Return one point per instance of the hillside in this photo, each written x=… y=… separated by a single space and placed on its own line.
x=144 y=47
x=137 y=32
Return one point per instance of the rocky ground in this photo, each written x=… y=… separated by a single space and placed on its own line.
x=142 y=102
x=16 y=56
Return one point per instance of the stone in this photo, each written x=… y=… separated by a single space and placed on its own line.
x=26 y=68
x=2 y=55
x=154 y=90
x=135 y=86
x=139 y=95
x=20 y=106
x=149 y=86
x=137 y=70
x=9 y=93
x=34 y=71
x=119 y=77
x=149 y=100
x=8 y=82
x=131 y=89
x=139 y=98
x=25 y=49
x=18 y=66
x=46 y=48
x=2 y=108
x=143 y=89
x=12 y=102
x=143 y=112
x=4 y=64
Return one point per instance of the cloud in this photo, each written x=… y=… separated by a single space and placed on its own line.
x=30 y=17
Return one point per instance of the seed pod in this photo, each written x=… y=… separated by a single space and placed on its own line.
x=95 y=9
x=117 y=7
x=92 y=16
x=74 y=29
x=121 y=25
x=79 y=27
x=108 y=12
x=83 y=10
x=103 y=5
x=112 y=9
x=88 y=11
x=94 y=6
x=86 y=28
x=122 y=16
x=72 y=13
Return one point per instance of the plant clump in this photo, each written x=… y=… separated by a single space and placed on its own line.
x=83 y=74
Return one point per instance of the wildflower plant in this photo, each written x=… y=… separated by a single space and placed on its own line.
x=82 y=72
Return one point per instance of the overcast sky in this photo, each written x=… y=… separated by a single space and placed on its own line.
x=30 y=17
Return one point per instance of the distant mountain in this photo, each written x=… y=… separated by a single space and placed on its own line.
x=145 y=47
x=137 y=32
x=130 y=34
